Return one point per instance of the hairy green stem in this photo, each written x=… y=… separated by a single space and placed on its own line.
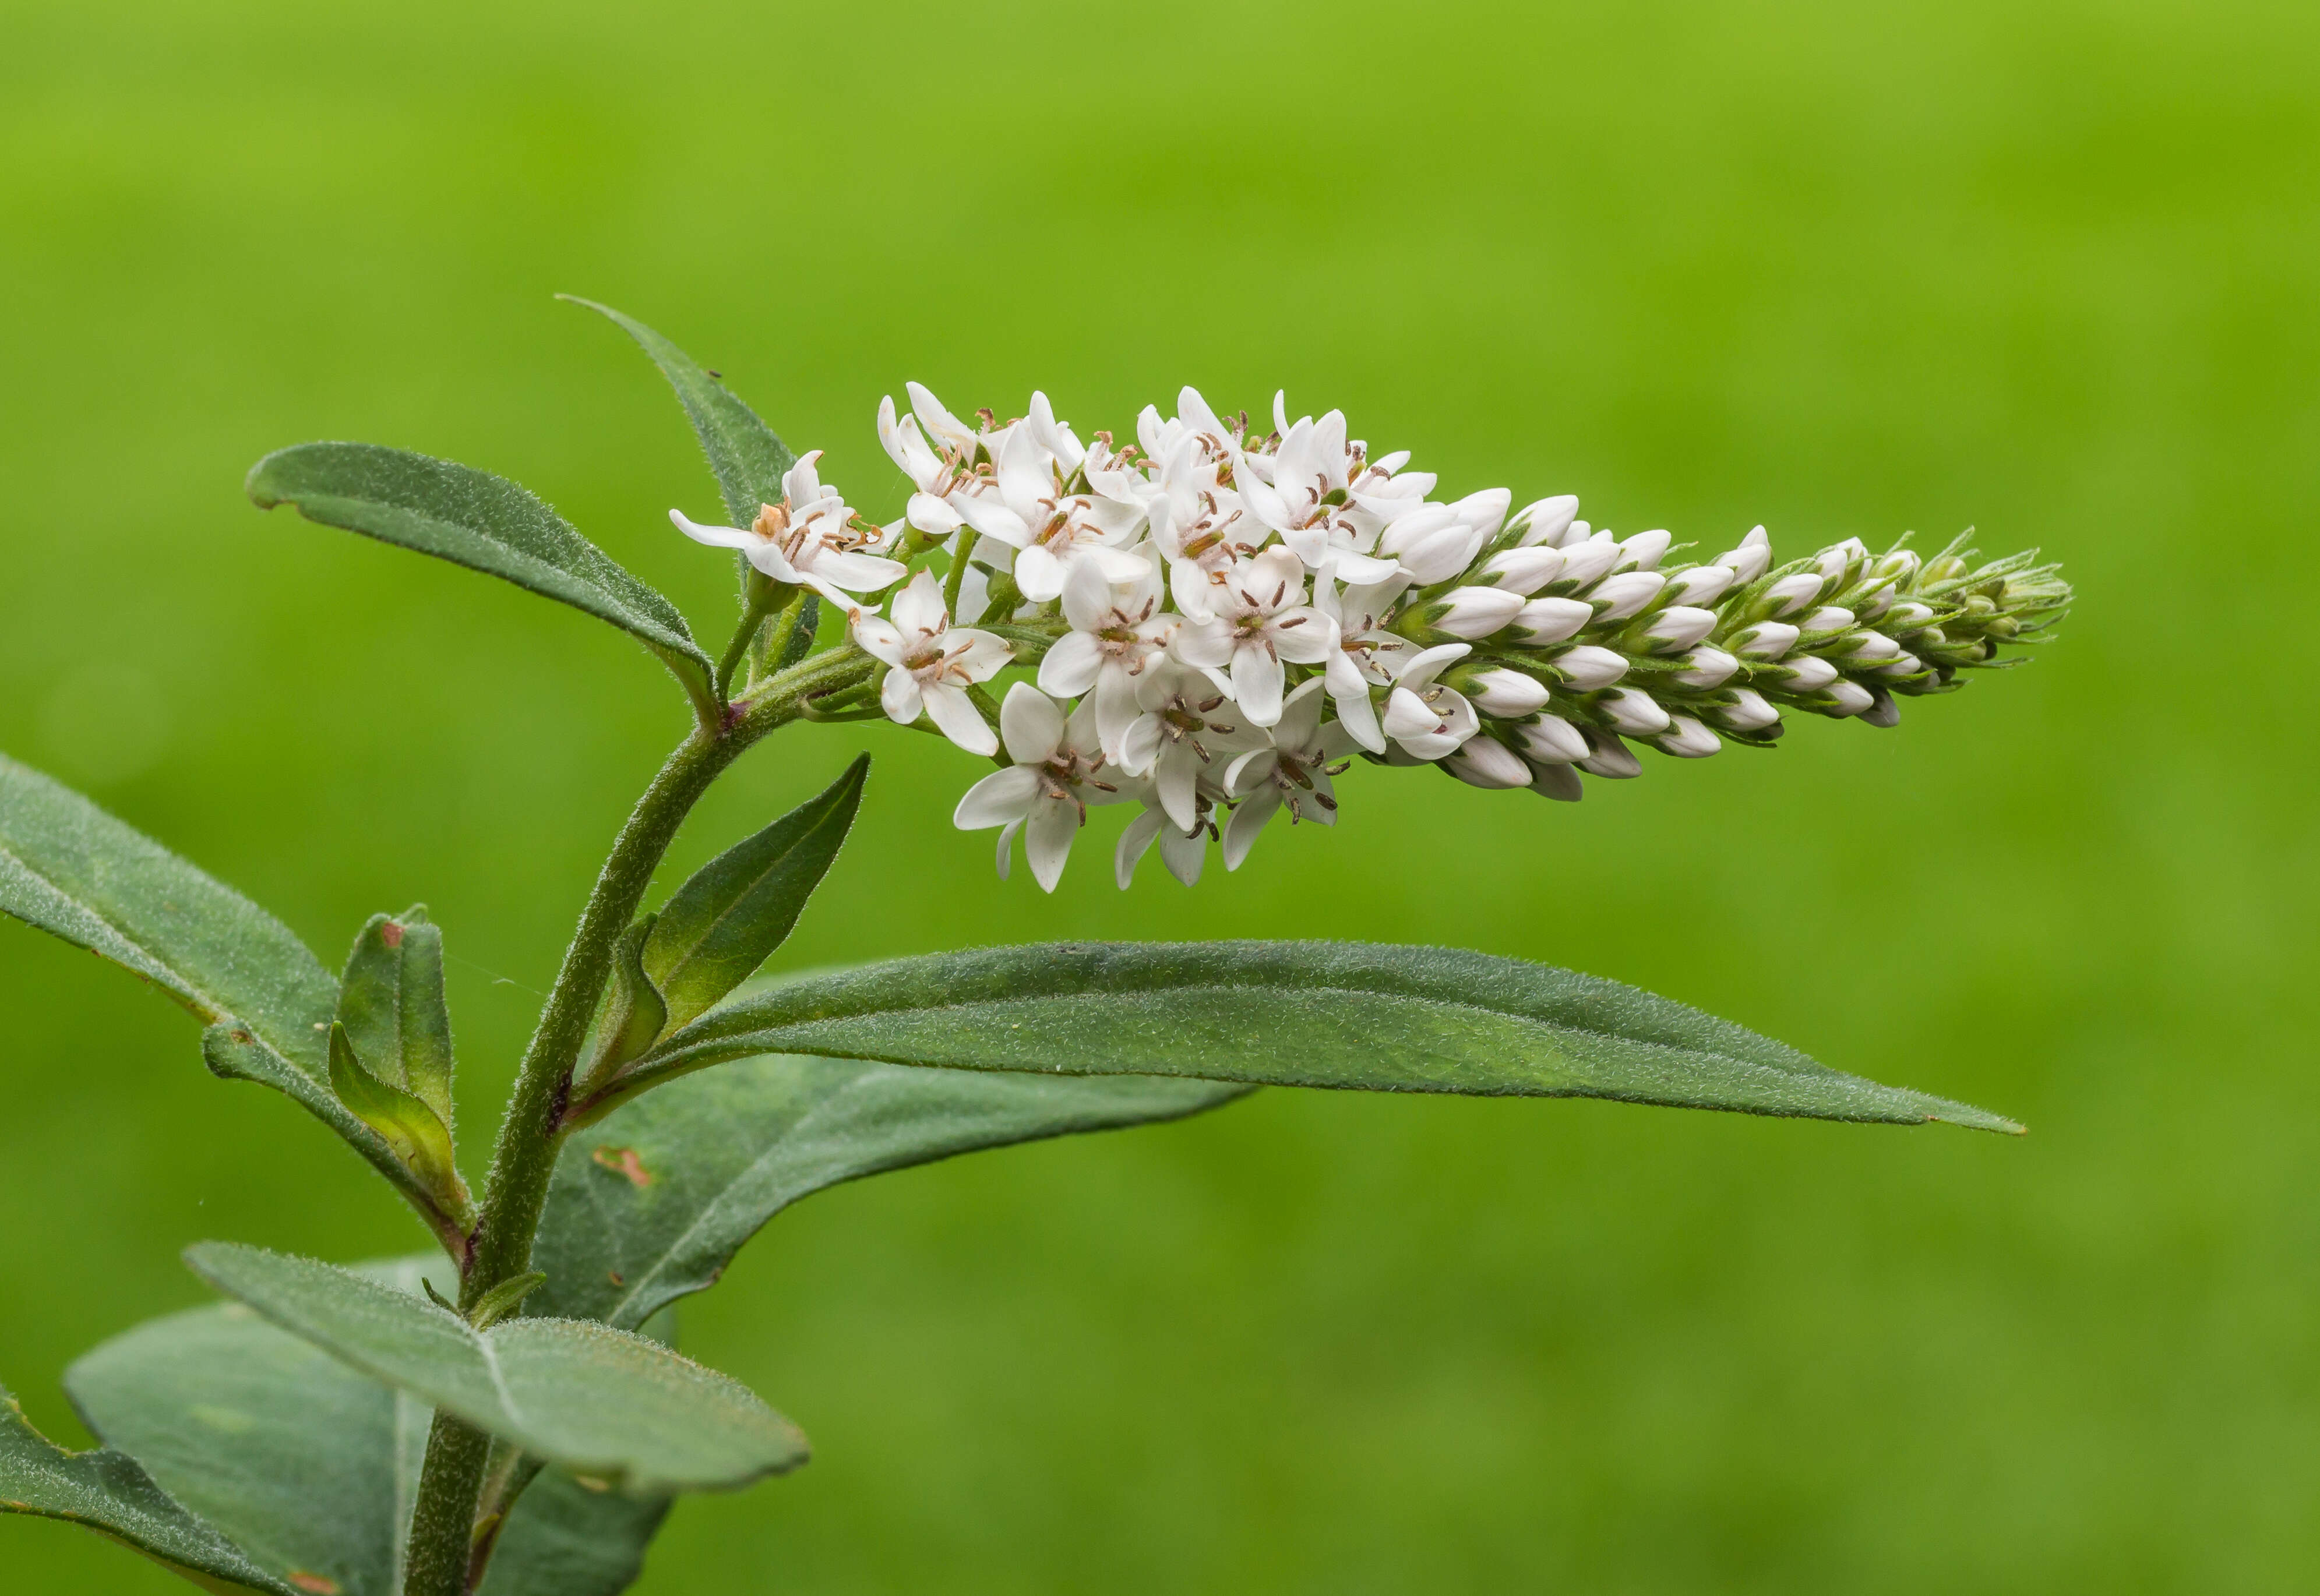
x=451 y=1480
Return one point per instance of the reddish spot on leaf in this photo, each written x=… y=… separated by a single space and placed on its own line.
x=623 y=1160
x=616 y=1277
x=391 y=934
x=315 y=1583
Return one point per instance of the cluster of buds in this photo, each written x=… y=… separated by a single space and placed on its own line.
x=1220 y=621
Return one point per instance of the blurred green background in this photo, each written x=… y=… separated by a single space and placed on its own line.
x=2050 y=269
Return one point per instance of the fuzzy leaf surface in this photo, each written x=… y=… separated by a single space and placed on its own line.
x=484 y=522
x=653 y=1203
x=602 y=1402
x=723 y=922
x=106 y=1490
x=76 y=872
x=411 y=1130
x=744 y=453
x=390 y=1001
x=1360 y=1015
x=313 y=1468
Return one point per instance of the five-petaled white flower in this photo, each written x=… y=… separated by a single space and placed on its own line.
x=1117 y=631
x=1261 y=619
x=1430 y=718
x=931 y=663
x=1190 y=731
x=1052 y=530
x=1183 y=849
x=1046 y=791
x=1362 y=653
x=809 y=539
x=1294 y=772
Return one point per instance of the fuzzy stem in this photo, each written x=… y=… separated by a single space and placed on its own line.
x=451 y=1480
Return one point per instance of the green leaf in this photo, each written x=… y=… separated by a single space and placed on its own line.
x=604 y=1404
x=743 y=453
x=655 y=1202
x=74 y=871
x=391 y=1002
x=719 y=926
x=421 y=1141
x=312 y=1468
x=634 y=1013
x=484 y=522
x=106 y=1490
x=1349 y=1015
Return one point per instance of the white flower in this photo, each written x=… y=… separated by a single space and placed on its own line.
x=1186 y=738
x=931 y=664
x=1046 y=791
x=1295 y=771
x=1260 y=619
x=1117 y=630
x=1474 y=613
x=809 y=539
x=1552 y=620
x=1587 y=667
x=1199 y=522
x=1029 y=511
x=1428 y=717
x=1507 y=694
x=1362 y=653
x=1306 y=499
x=1432 y=541
x=1485 y=763
x=933 y=477
x=1686 y=738
x=1183 y=850
x=1637 y=713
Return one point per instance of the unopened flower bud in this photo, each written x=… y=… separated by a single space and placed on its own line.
x=1523 y=570
x=1432 y=544
x=1828 y=617
x=1504 y=694
x=1809 y=675
x=1483 y=762
x=1634 y=713
x=1678 y=627
x=1835 y=561
x=1545 y=521
x=1871 y=648
x=1791 y=594
x=1702 y=584
x=1585 y=564
x=1884 y=712
x=1475 y=612
x=1587 y=667
x=1610 y=757
x=1747 y=712
x=1688 y=739
x=1559 y=782
x=1768 y=640
x=1643 y=551
x=1907 y=664
x=1623 y=594
x=1551 y=620
x=1707 y=668
x=1751 y=559
x=1899 y=567
x=1850 y=698
x=1550 y=740
x=1907 y=617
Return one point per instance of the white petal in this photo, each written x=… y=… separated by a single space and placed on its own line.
x=918 y=610
x=1133 y=842
x=1071 y=665
x=1039 y=573
x=992 y=520
x=1256 y=685
x=1207 y=644
x=899 y=696
x=933 y=516
x=1247 y=821
x=1257 y=763
x=1139 y=745
x=859 y=573
x=1086 y=595
x=1300 y=715
x=998 y=798
x=1309 y=642
x=958 y=718
x=1115 y=709
x=1047 y=840
x=1177 y=776
x=1007 y=847
x=715 y=537
x=1032 y=724
x=1358 y=716
x=879 y=639
x=1184 y=853
x=1418 y=670
x=974 y=655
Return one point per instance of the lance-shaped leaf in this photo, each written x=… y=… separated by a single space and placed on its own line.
x=484 y=522
x=746 y=457
x=604 y=1404
x=739 y=907
x=391 y=1002
x=106 y=1490
x=78 y=873
x=635 y=1014
x=1348 y=1014
x=420 y=1140
x=312 y=1469
x=654 y=1202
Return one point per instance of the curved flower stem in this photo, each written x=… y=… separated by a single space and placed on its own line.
x=451 y=1481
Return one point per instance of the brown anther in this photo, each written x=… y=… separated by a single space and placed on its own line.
x=1211 y=704
x=772 y=520
x=1296 y=620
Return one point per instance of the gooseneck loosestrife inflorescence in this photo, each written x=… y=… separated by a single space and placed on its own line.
x=1212 y=623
